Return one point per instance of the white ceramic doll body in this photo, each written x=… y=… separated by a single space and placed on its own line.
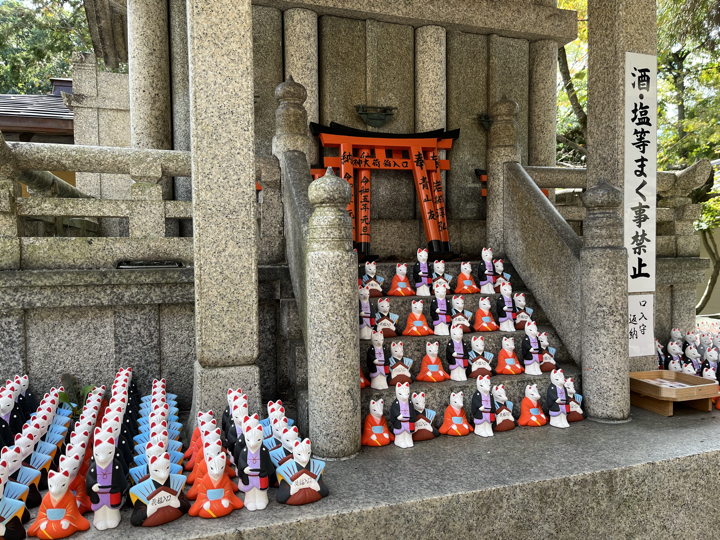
x=531 y=349
x=705 y=343
x=372 y=281
x=367 y=313
x=531 y=412
x=576 y=413
x=421 y=274
x=500 y=275
x=523 y=314
x=557 y=400
x=693 y=360
x=255 y=467
x=457 y=354
x=504 y=420
x=399 y=365
x=486 y=272
x=385 y=321
x=460 y=315
x=105 y=482
x=465 y=281
x=479 y=359
x=483 y=408
x=424 y=429
x=439 y=276
x=506 y=308
x=677 y=335
x=548 y=353
x=674 y=357
x=378 y=362
x=400 y=285
x=440 y=312
x=375 y=430
x=403 y=416
x=711 y=359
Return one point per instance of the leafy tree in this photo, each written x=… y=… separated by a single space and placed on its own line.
x=37 y=39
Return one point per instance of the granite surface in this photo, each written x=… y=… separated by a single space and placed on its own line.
x=620 y=474
x=177 y=350
x=267 y=360
x=430 y=78
x=211 y=386
x=542 y=106
x=224 y=200
x=137 y=343
x=12 y=342
x=267 y=26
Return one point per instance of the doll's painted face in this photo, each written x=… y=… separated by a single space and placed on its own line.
x=456 y=332
x=417 y=307
x=531 y=392
x=458 y=303
x=384 y=306
x=401 y=270
x=397 y=349
x=370 y=268
x=431 y=349
x=402 y=391
x=499 y=394
x=498 y=265
x=456 y=400
x=487 y=254
x=418 y=401
x=478 y=344
x=484 y=385
x=439 y=267
x=422 y=255
x=364 y=294
x=484 y=304
x=508 y=343
x=377 y=339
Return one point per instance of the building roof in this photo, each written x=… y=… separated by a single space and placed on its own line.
x=35 y=114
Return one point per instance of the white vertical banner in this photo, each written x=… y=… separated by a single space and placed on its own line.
x=640 y=206
x=641 y=325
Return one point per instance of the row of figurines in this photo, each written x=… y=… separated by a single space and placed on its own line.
x=91 y=472
x=693 y=352
x=512 y=310
x=491 y=411
x=462 y=361
x=490 y=275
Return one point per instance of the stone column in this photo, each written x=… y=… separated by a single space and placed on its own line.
x=603 y=262
x=301 y=62
x=502 y=148
x=430 y=79
x=180 y=85
x=543 y=103
x=9 y=241
x=333 y=389
x=291 y=120
x=224 y=207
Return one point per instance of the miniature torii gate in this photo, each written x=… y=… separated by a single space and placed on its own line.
x=364 y=151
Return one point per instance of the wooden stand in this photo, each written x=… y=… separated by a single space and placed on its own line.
x=697 y=394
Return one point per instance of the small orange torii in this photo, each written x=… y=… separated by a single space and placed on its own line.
x=365 y=151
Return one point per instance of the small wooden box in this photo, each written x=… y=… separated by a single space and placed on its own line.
x=697 y=392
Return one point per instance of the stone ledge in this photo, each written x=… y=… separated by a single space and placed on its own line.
x=526 y=483
x=672 y=271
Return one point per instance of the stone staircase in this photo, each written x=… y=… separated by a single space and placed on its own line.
x=437 y=395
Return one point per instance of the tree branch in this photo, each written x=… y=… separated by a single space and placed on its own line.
x=570 y=90
x=567 y=142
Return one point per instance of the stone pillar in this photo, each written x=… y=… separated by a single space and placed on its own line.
x=603 y=262
x=180 y=85
x=9 y=241
x=301 y=62
x=291 y=121
x=333 y=390
x=224 y=206
x=502 y=148
x=543 y=103
x=430 y=79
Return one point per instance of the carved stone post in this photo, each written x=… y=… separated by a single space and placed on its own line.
x=291 y=121
x=502 y=147
x=603 y=263
x=332 y=329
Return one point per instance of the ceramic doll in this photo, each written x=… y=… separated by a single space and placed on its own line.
x=466 y=281
x=417 y=324
x=159 y=499
x=421 y=274
x=440 y=312
x=25 y=476
x=548 y=354
x=251 y=421
x=385 y=321
x=674 y=359
x=400 y=285
x=659 y=354
x=500 y=275
x=484 y=320
x=523 y=314
x=367 y=314
x=301 y=477
x=692 y=358
x=17 y=417
x=12 y=490
x=711 y=359
x=232 y=395
x=531 y=349
x=377 y=362
x=27 y=400
x=557 y=399
x=574 y=401
x=431 y=369
x=11 y=512
x=403 y=416
x=58 y=516
x=688 y=368
x=6 y=406
x=287 y=440
x=716 y=341
x=479 y=359
x=371 y=281
x=486 y=272
x=460 y=315
x=709 y=373
x=456 y=354
x=216 y=496
x=506 y=308
x=235 y=429
x=677 y=335
x=705 y=344
x=196 y=441
x=424 y=429
x=211 y=445
x=255 y=468
x=455 y=422
x=364 y=383
x=439 y=276
x=531 y=413
x=508 y=363
x=690 y=339
x=375 y=431
x=399 y=365
x=483 y=407
x=504 y=420
x=105 y=482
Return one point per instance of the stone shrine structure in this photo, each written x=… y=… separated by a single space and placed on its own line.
x=167 y=160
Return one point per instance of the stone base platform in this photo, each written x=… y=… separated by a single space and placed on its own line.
x=653 y=477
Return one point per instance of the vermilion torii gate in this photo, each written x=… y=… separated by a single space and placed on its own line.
x=365 y=151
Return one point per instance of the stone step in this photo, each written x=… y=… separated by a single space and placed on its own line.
x=437 y=395
x=414 y=346
x=387 y=270
x=402 y=306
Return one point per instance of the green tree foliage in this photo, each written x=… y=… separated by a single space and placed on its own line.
x=37 y=39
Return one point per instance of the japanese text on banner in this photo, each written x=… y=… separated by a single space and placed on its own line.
x=640 y=173
x=641 y=325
